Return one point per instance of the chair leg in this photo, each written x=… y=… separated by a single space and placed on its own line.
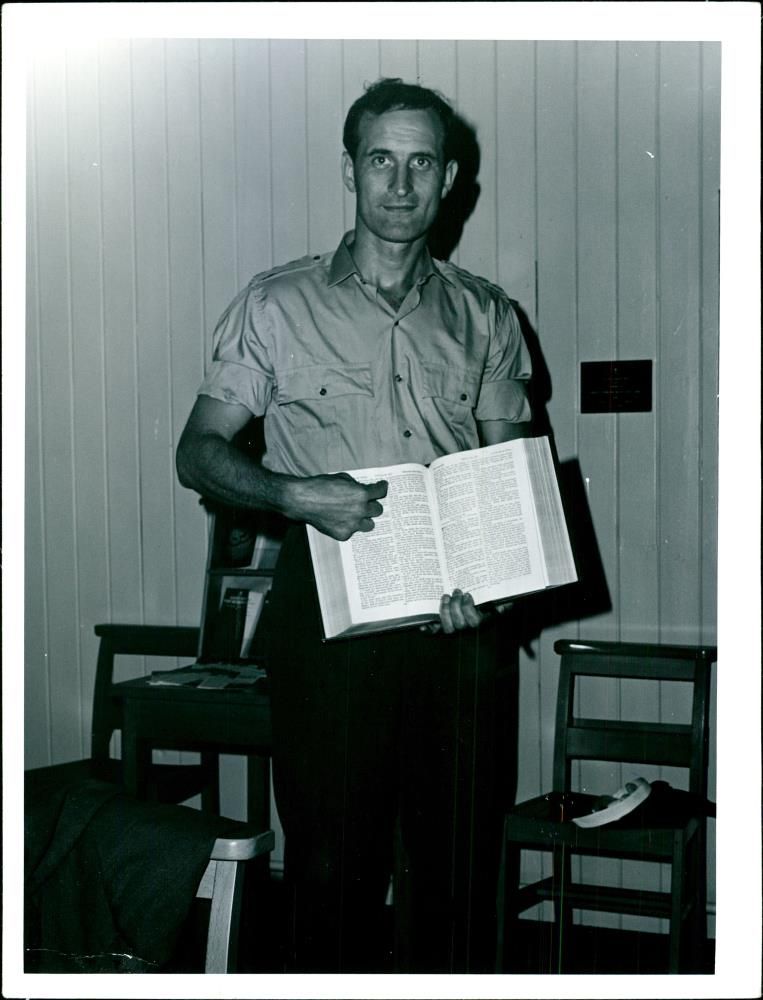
x=694 y=905
x=258 y=791
x=700 y=895
x=210 y=793
x=500 y=910
x=508 y=907
x=225 y=911
x=562 y=909
x=401 y=906
x=677 y=898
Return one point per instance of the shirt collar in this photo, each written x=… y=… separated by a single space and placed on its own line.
x=342 y=264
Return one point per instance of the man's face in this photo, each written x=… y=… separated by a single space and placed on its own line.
x=399 y=175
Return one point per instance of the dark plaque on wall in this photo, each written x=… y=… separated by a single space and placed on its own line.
x=615 y=386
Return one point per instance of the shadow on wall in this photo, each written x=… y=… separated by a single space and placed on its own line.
x=445 y=234
x=590 y=595
x=525 y=622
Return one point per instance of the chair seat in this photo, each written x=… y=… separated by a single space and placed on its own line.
x=648 y=833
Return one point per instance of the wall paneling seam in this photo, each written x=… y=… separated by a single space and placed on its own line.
x=168 y=331
x=105 y=344
x=67 y=243
x=136 y=309
x=33 y=187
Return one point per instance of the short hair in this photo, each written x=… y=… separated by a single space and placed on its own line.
x=392 y=94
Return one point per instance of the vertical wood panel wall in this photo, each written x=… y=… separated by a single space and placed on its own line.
x=163 y=173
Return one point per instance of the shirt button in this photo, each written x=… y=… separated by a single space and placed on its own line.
x=398 y=378
x=464 y=396
x=406 y=434
x=396 y=323
x=323 y=390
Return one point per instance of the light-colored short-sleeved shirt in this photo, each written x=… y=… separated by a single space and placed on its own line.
x=345 y=381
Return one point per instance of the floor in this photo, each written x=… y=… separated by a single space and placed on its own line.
x=598 y=950
x=592 y=950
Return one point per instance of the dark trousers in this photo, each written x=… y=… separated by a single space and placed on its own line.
x=368 y=733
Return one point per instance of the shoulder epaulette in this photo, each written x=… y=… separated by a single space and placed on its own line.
x=291 y=267
x=469 y=278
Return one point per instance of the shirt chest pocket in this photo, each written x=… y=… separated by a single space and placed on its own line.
x=328 y=408
x=327 y=413
x=453 y=391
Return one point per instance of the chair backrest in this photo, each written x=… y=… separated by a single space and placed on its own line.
x=132 y=640
x=659 y=743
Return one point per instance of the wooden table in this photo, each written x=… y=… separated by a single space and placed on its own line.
x=228 y=720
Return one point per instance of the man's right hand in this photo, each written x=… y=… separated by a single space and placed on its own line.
x=337 y=505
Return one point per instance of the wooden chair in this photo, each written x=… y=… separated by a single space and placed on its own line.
x=167 y=782
x=677 y=837
x=222 y=884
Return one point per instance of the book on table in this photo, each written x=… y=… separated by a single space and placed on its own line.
x=488 y=521
x=233 y=627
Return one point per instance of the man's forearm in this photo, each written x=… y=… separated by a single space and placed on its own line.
x=335 y=504
x=220 y=471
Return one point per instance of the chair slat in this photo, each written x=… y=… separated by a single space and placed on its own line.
x=635 y=902
x=650 y=651
x=626 y=726
x=612 y=743
x=150 y=640
x=631 y=667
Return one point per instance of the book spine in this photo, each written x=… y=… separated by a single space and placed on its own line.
x=231 y=622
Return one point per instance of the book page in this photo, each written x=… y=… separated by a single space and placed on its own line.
x=487 y=520
x=397 y=568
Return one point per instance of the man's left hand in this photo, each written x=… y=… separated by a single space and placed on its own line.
x=457 y=612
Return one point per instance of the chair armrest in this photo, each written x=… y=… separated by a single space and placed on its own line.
x=242 y=848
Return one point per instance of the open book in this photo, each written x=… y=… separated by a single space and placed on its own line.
x=488 y=521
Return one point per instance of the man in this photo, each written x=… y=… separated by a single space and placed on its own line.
x=371 y=356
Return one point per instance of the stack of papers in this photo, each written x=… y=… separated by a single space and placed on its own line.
x=206 y=676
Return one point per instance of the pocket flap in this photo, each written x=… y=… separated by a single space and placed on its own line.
x=453 y=384
x=323 y=382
